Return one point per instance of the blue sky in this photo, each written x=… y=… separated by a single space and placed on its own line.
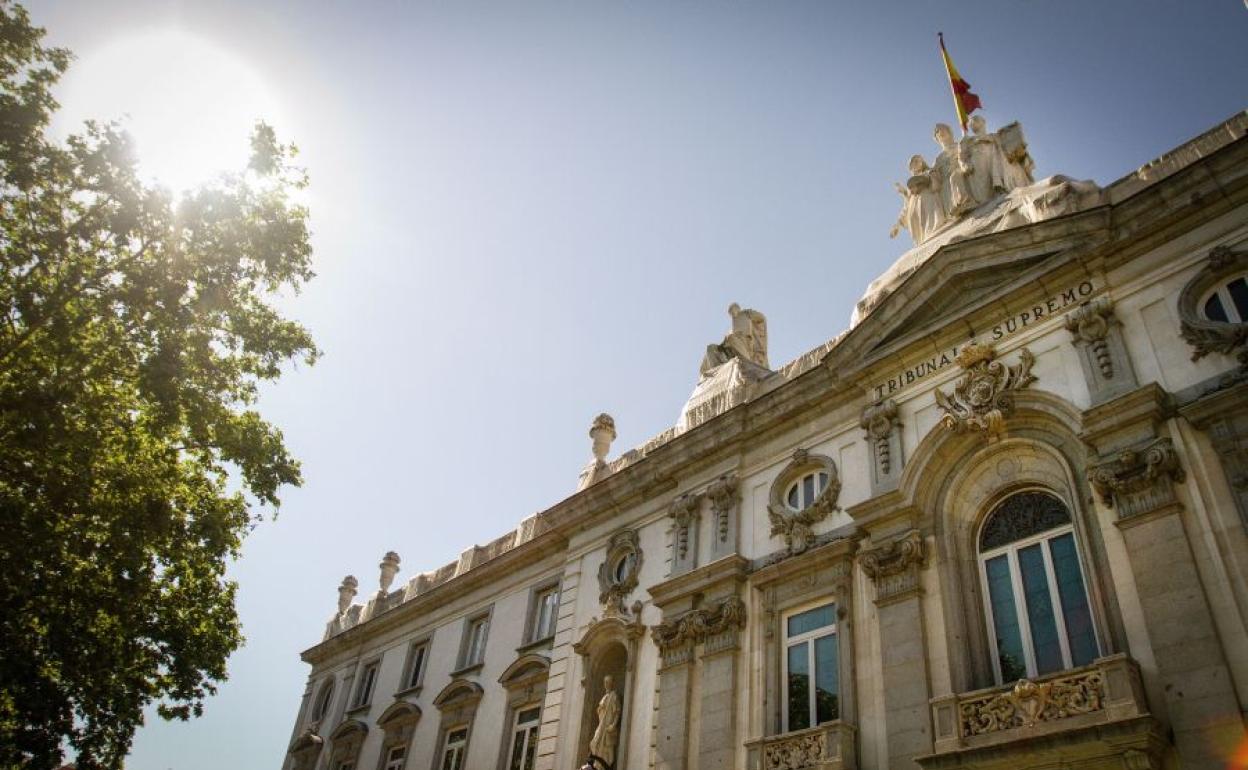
x=527 y=213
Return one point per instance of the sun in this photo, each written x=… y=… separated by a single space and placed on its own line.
x=189 y=104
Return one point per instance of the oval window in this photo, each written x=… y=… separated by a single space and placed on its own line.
x=803 y=492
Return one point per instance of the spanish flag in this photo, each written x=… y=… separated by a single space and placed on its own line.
x=965 y=101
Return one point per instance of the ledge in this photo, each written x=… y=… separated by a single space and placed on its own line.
x=830 y=746
x=474 y=668
x=537 y=644
x=409 y=692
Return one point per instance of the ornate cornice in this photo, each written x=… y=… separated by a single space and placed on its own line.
x=674 y=638
x=984 y=395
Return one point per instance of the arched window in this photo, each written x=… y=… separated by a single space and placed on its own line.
x=321 y=706
x=1039 y=618
x=1228 y=302
x=803 y=492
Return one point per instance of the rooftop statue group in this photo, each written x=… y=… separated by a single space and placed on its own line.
x=965 y=175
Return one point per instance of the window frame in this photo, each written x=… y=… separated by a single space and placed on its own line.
x=324 y=699
x=1010 y=551
x=388 y=759
x=820 y=477
x=466 y=660
x=414 y=669
x=808 y=638
x=446 y=746
x=533 y=631
x=366 y=686
x=534 y=726
x=1222 y=291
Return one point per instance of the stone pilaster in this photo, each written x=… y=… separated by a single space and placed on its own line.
x=1223 y=415
x=883 y=428
x=894 y=568
x=1097 y=334
x=1134 y=474
x=699 y=653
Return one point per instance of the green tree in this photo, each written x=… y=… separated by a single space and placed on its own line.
x=135 y=330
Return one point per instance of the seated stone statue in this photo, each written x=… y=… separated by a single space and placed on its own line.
x=955 y=193
x=746 y=340
x=986 y=165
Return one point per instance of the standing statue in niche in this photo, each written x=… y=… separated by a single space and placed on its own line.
x=747 y=340
x=921 y=211
x=602 y=744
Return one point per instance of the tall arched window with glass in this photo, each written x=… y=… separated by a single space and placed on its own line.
x=1035 y=594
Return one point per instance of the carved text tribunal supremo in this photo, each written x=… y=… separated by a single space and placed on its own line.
x=1041 y=310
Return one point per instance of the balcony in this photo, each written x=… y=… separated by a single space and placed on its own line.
x=829 y=746
x=1093 y=714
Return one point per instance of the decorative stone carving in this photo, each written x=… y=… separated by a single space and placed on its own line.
x=617 y=576
x=801 y=751
x=985 y=393
x=724 y=497
x=795 y=526
x=894 y=566
x=882 y=425
x=389 y=568
x=746 y=340
x=1139 y=480
x=346 y=593
x=601 y=433
x=602 y=744
x=922 y=212
x=716 y=625
x=1096 y=332
x=1208 y=336
x=830 y=746
x=1027 y=703
x=684 y=513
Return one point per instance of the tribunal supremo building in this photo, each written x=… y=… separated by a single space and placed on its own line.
x=1002 y=521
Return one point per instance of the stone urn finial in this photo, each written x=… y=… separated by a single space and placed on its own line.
x=346 y=592
x=603 y=433
x=389 y=568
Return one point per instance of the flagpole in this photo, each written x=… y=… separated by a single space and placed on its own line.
x=944 y=58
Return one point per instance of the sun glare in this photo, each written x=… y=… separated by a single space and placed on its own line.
x=189 y=104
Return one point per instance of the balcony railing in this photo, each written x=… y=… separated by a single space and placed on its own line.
x=826 y=747
x=1108 y=690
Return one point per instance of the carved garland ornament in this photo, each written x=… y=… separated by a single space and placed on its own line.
x=723 y=496
x=1030 y=702
x=879 y=421
x=795 y=526
x=698 y=625
x=684 y=513
x=1206 y=336
x=984 y=395
x=617 y=576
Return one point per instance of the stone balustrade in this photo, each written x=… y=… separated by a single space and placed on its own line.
x=829 y=746
x=1108 y=690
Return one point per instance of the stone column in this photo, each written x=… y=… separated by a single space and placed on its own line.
x=717 y=730
x=894 y=567
x=675 y=692
x=1223 y=415
x=1135 y=475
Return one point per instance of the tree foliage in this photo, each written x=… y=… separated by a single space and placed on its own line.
x=135 y=329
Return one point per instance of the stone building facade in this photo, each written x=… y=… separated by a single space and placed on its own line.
x=1001 y=522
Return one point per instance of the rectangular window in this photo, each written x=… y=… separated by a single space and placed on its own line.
x=454 y=748
x=545 y=610
x=811 y=673
x=368 y=678
x=395 y=758
x=524 y=739
x=416 y=664
x=474 y=641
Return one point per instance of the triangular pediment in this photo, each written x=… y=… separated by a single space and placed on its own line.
x=962 y=277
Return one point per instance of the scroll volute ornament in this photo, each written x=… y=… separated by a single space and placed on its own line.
x=985 y=393
x=796 y=526
x=1206 y=336
x=696 y=625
